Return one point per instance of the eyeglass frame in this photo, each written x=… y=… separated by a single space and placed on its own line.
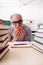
x=19 y=22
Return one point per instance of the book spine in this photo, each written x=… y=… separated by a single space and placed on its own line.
x=39 y=36
x=37 y=49
x=3 y=49
x=4 y=43
x=4 y=29
x=4 y=54
x=1 y=41
x=3 y=34
x=38 y=42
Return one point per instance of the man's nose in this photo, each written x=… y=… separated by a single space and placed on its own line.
x=17 y=25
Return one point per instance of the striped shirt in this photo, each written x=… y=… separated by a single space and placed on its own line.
x=28 y=35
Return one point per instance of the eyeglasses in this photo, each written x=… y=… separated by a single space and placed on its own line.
x=19 y=22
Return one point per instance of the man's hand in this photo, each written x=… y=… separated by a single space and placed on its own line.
x=22 y=33
x=18 y=34
x=15 y=35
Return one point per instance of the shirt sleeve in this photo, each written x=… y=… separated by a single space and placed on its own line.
x=10 y=33
x=28 y=35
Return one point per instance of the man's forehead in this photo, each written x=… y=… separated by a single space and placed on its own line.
x=16 y=18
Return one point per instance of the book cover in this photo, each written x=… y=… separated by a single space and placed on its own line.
x=3 y=43
x=38 y=45
x=2 y=32
x=4 y=27
x=20 y=44
x=38 y=39
x=3 y=52
x=2 y=38
x=36 y=48
x=40 y=30
x=3 y=47
x=39 y=34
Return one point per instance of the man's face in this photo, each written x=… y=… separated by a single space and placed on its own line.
x=16 y=21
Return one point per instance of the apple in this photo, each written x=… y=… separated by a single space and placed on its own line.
x=18 y=29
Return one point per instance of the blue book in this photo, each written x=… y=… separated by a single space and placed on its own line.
x=20 y=43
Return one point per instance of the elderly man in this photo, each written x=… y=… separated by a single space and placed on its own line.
x=18 y=31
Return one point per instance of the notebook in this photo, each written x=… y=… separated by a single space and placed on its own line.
x=4 y=27
x=20 y=44
x=3 y=52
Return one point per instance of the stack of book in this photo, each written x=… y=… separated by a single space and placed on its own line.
x=38 y=39
x=3 y=40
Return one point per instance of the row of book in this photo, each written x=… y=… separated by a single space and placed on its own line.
x=38 y=39
x=4 y=47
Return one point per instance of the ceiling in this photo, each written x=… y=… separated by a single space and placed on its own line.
x=20 y=2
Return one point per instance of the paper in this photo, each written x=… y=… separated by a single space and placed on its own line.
x=20 y=44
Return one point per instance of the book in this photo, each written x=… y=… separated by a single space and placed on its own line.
x=3 y=43
x=38 y=39
x=3 y=47
x=40 y=30
x=2 y=32
x=20 y=44
x=37 y=46
x=2 y=38
x=39 y=34
x=4 y=27
x=3 y=52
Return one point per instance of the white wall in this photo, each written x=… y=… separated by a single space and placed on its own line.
x=33 y=10
x=27 y=12
x=41 y=14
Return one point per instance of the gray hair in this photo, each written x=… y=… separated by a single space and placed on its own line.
x=16 y=15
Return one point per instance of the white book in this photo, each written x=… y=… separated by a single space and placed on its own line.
x=38 y=39
x=2 y=32
x=3 y=26
x=40 y=30
x=39 y=34
x=2 y=44
x=3 y=52
x=3 y=37
x=20 y=44
x=36 y=48
x=37 y=45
